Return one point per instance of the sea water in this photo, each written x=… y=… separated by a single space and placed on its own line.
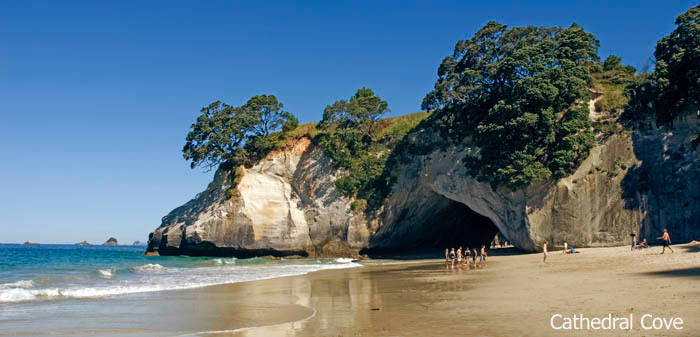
x=36 y=274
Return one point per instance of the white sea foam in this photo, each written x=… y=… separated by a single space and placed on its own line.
x=343 y=260
x=222 y=261
x=107 y=273
x=154 y=277
x=151 y=267
x=24 y=284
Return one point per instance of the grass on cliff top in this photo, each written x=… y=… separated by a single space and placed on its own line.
x=365 y=179
x=394 y=126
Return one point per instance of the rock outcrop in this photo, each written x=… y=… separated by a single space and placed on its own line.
x=111 y=242
x=83 y=243
x=287 y=204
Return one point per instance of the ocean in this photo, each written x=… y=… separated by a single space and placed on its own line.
x=38 y=282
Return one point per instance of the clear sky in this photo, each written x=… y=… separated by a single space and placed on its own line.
x=96 y=97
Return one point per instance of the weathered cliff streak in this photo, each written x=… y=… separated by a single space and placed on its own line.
x=584 y=209
x=285 y=205
x=665 y=185
x=642 y=180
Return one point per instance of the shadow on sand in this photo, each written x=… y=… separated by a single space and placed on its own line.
x=686 y=272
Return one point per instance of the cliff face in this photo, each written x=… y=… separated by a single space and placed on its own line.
x=665 y=186
x=287 y=204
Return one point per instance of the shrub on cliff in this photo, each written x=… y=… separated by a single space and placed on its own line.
x=517 y=92
x=240 y=135
x=349 y=126
x=674 y=85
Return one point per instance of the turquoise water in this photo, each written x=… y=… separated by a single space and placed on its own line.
x=38 y=274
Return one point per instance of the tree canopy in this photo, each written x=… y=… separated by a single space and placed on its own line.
x=674 y=85
x=350 y=139
x=518 y=93
x=224 y=133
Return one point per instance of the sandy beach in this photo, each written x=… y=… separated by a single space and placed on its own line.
x=513 y=295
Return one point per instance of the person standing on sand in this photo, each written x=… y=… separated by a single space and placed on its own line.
x=452 y=256
x=447 y=256
x=634 y=240
x=459 y=255
x=474 y=256
x=544 y=250
x=566 y=247
x=667 y=241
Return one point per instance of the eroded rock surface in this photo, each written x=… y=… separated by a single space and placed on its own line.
x=287 y=204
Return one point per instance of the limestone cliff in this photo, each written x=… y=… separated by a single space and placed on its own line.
x=641 y=180
x=285 y=205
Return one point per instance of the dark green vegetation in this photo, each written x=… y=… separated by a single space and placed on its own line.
x=610 y=79
x=516 y=96
x=674 y=85
x=356 y=140
x=519 y=93
x=237 y=135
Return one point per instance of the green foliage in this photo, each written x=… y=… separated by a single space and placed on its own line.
x=612 y=62
x=674 y=85
x=351 y=143
x=358 y=206
x=224 y=133
x=236 y=176
x=611 y=101
x=514 y=90
x=357 y=141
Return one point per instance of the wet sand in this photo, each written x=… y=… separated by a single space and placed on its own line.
x=512 y=295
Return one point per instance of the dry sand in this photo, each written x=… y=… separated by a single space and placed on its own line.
x=512 y=296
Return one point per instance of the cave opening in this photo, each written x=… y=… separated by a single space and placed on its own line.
x=458 y=225
x=436 y=224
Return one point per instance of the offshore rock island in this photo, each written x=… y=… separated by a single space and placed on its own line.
x=585 y=152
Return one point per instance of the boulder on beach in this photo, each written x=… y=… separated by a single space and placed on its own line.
x=111 y=242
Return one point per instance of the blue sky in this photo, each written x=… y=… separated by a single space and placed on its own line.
x=96 y=97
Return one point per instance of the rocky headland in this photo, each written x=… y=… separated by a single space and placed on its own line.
x=288 y=204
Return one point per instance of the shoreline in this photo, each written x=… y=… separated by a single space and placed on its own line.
x=513 y=295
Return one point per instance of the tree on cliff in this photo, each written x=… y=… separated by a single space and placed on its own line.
x=224 y=133
x=518 y=94
x=674 y=85
x=349 y=127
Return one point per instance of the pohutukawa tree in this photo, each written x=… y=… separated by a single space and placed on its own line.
x=225 y=133
x=349 y=127
x=518 y=93
x=674 y=85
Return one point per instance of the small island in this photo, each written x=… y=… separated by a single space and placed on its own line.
x=31 y=242
x=111 y=242
x=83 y=243
x=138 y=243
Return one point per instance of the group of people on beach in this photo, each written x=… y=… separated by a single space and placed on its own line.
x=567 y=250
x=665 y=241
x=461 y=257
